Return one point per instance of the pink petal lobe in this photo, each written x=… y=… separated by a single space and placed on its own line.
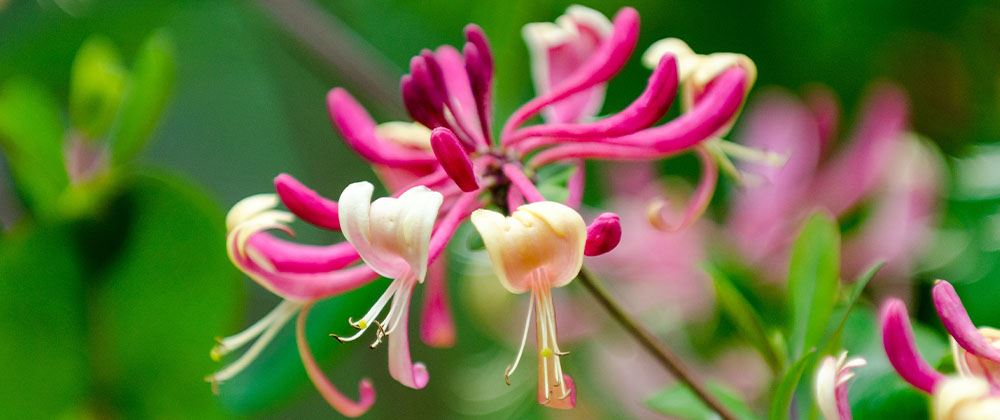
x=454 y=159
x=956 y=320
x=291 y=257
x=698 y=202
x=401 y=367
x=437 y=327
x=340 y=402
x=306 y=203
x=358 y=130
x=603 y=235
x=901 y=348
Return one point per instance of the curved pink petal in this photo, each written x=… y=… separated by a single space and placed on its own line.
x=461 y=100
x=956 y=320
x=454 y=159
x=901 y=348
x=655 y=100
x=713 y=112
x=824 y=106
x=358 y=130
x=437 y=327
x=520 y=181
x=575 y=184
x=853 y=174
x=479 y=67
x=401 y=367
x=290 y=257
x=306 y=203
x=340 y=402
x=448 y=224
x=699 y=201
x=602 y=65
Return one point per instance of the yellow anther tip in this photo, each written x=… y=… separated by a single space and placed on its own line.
x=546 y=352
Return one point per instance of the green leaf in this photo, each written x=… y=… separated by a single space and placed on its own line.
x=813 y=275
x=96 y=88
x=678 y=401
x=162 y=298
x=782 y=400
x=146 y=96
x=31 y=133
x=857 y=288
x=747 y=320
x=44 y=351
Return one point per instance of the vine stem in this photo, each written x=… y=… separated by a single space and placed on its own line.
x=667 y=358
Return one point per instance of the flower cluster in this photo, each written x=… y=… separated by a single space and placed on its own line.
x=448 y=165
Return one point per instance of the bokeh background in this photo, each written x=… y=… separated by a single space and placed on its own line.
x=111 y=314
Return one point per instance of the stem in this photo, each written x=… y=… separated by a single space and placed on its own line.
x=660 y=351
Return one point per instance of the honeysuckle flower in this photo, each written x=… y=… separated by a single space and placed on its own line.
x=830 y=385
x=603 y=234
x=975 y=352
x=538 y=248
x=451 y=148
x=965 y=399
x=896 y=176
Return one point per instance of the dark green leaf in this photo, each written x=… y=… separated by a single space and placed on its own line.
x=96 y=88
x=161 y=302
x=747 y=320
x=782 y=400
x=31 y=134
x=149 y=87
x=856 y=289
x=44 y=351
x=677 y=401
x=813 y=275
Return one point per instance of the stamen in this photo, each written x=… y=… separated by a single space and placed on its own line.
x=251 y=354
x=524 y=339
x=750 y=154
x=226 y=345
x=364 y=323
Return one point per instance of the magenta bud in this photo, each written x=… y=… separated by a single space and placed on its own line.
x=603 y=235
x=454 y=159
x=901 y=348
x=306 y=203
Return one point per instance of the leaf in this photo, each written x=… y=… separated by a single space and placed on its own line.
x=782 y=400
x=161 y=300
x=145 y=98
x=857 y=288
x=44 y=351
x=31 y=133
x=813 y=275
x=679 y=401
x=747 y=320
x=96 y=89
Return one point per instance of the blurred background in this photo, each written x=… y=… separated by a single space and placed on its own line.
x=110 y=308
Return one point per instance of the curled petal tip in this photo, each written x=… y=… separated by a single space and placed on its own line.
x=901 y=348
x=306 y=203
x=603 y=235
x=453 y=158
x=956 y=320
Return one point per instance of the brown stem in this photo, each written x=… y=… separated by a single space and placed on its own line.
x=652 y=344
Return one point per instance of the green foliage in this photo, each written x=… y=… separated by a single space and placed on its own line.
x=44 y=351
x=31 y=135
x=813 y=275
x=782 y=400
x=677 y=401
x=145 y=98
x=96 y=88
x=732 y=302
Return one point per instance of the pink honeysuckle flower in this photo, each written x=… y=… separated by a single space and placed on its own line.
x=538 y=248
x=603 y=234
x=830 y=385
x=879 y=164
x=975 y=351
x=451 y=149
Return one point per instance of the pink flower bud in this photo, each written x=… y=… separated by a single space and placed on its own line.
x=453 y=158
x=603 y=235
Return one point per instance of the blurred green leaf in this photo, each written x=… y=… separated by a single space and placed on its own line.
x=96 y=88
x=857 y=287
x=677 y=401
x=146 y=96
x=813 y=275
x=161 y=301
x=747 y=320
x=781 y=401
x=553 y=180
x=44 y=351
x=31 y=134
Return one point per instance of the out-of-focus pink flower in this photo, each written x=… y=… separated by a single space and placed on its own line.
x=881 y=168
x=830 y=385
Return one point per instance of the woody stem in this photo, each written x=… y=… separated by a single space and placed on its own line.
x=666 y=357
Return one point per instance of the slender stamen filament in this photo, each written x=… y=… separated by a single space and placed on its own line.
x=551 y=378
x=398 y=293
x=524 y=339
x=228 y=344
x=278 y=318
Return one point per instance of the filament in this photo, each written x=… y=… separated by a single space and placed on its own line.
x=279 y=320
x=524 y=339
